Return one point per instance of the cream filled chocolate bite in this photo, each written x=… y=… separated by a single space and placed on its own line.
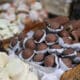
x=38 y=35
x=68 y=51
x=41 y=46
x=38 y=57
x=27 y=53
x=49 y=61
x=51 y=38
x=67 y=62
x=30 y=44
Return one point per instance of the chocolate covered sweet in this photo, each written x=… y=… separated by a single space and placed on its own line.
x=67 y=62
x=49 y=61
x=38 y=35
x=41 y=46
x=56 y=46
x=21 y=36
x=38 y=57
x=30 y=44
x=14 y=42
x=68 y=51
x=50 y=38
x=64 y=33
x=67 y=40
x=53 y=25
x=27 y=53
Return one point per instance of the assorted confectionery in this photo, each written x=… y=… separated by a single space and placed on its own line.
x=35 y=47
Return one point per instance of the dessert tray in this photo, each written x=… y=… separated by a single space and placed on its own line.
x=37 y=49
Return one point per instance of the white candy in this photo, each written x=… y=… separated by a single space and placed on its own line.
x=34 y=15
x=36 y=6
x=15 y=67
x=3 y=59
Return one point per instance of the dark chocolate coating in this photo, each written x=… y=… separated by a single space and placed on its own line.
x=68 y=51
x=27 y=53
x=67 y=62
x=51 y=38
x=41 y=46
x=49 y=61
x=56 y=46
x=38 y=35
x=38 y=57
x=21 y=36
x=30 y=44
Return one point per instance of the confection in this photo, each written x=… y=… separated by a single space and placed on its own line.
x=38 y=57
x=68 y=51
x=30 y=44
x=49 y=61
x=67 y=62
x=56 y=46
x=38 y=35
x=50 y=38
x=41 y=46
x=27 y=53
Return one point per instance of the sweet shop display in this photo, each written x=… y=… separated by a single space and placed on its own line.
x=36 y=47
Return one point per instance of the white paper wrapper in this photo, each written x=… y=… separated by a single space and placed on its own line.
x=47 y=69
x=62 y=65
x=49 y=77
x=61 y=42
x=76 y=59
x=55 y=30
x=76 y=46
x=42 y=39
x=42 y=51
x=25 y=60
x=52 y=43
x=70 y=55
x=56 y=51
x=36 y=62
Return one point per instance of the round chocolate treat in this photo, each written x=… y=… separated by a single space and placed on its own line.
x=64 y=33
x=38 y=35
x=68 y=51
x=51 y=38
x=30 y=44
x=67 y=40
x=54 y=25
x=14 y=42
x=49 y=61
x=38 y=57
x=41 y=46
x=56 y=46
x=67 y=62
x=27 y=53
x=21 y=36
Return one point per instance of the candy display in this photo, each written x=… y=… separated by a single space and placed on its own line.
x=36 y=47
